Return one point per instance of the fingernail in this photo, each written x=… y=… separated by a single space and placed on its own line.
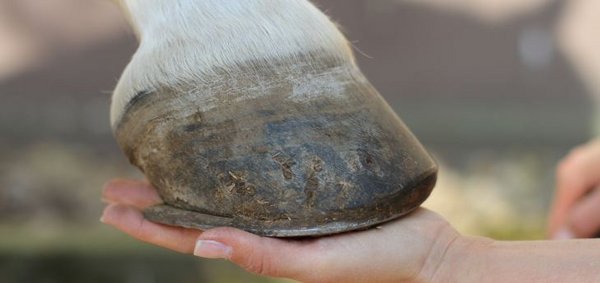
x=563 y=234
x=212 y=249
x=104 y=218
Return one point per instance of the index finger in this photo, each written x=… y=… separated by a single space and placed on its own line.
x=578 y=174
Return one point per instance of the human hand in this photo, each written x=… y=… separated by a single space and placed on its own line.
x=412 y=249
x=576 y=209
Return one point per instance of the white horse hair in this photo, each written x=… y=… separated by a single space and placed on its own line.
x=182 y=41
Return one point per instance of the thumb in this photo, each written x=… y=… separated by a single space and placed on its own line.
x=585 y=216
x=296 y=259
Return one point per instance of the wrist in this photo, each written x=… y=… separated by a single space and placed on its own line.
x=457 y=259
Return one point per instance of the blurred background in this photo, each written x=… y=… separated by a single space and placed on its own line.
x=498 y=90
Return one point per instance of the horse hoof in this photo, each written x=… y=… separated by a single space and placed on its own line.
x=311 y=151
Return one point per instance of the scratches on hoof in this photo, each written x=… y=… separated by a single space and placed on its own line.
x=286 y=163
x=312 y=181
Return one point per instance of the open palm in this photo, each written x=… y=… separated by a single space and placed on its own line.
x=404 y=250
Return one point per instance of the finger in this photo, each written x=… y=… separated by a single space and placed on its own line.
x=295 y=259
x=582 y=166
x=565 y=197
x=584 y=220
x=576 y=175
x=132 y=222
x=139 y=194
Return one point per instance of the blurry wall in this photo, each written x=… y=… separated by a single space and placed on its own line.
x=484 y=82
x=58 y=63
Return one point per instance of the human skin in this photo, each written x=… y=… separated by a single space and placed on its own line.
x=575 y=212
x=421 y=247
